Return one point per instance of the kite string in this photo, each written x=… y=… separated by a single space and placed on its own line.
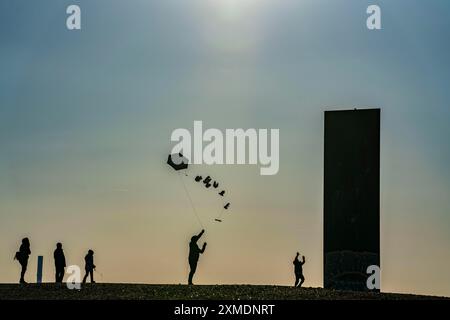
x=190 y=200
x=101 y=274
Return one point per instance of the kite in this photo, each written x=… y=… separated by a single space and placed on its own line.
x=180 y=163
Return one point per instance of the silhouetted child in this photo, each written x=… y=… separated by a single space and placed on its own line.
x=194 y=254
x=22 y=256
x=60 y=263
x=298 y=269
x=89 y=266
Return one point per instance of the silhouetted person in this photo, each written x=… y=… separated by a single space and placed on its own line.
x=89 y=266
x=298 y=269
x=22 y=256
x=60 y=263
x=194 y=254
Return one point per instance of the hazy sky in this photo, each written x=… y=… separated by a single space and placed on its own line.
x=86 y=118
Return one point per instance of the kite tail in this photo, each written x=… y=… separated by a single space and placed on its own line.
x=221 y=213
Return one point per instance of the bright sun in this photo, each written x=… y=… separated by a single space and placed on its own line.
x=234 y=8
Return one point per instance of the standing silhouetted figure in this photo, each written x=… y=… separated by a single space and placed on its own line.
x=298 y=268
x=60 y=263
x=89 y=266
x=22 y=256
x=194 y=254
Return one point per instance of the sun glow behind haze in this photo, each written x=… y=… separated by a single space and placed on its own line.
x=86 y=119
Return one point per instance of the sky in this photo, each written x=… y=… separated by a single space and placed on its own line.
x=86 y=118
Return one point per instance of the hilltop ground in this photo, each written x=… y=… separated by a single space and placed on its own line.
x=106 y=291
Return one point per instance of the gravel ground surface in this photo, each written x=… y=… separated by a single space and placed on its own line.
x=104 y=291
